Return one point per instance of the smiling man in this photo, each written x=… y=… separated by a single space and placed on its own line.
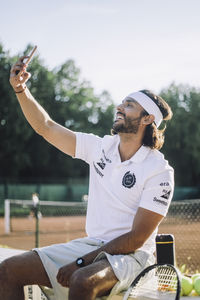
x=130 y=189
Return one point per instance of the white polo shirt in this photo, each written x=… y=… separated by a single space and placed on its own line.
x=117 y=189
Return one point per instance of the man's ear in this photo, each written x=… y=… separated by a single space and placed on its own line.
x=148 y=119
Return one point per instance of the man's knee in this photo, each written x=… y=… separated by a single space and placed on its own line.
x=81 y=282
x=7 y=272
x=24 y=269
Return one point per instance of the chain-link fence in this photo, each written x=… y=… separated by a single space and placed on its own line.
x=62 y=221
x=58 y=222
x=183 y=221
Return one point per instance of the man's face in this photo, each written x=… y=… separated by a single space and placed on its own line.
x=128 y=116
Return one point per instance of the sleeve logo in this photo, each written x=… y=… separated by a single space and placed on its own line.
x=160 y=201
x=128 y=180
x=166 y=194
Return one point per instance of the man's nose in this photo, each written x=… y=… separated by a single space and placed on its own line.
x=120 y=107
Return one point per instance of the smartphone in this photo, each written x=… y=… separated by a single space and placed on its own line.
x=31 y=55
x=29 y=58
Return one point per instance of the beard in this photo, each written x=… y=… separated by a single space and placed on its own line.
x=128 y=126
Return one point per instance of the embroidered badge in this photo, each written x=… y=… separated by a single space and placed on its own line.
x=128 y=180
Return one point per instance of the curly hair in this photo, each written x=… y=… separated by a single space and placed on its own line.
x=154 y=137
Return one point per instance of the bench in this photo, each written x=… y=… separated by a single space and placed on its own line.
x=36 y=292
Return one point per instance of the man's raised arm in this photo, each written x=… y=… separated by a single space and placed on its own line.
x=59 y=136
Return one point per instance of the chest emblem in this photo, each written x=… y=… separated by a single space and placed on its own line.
x=128 y=180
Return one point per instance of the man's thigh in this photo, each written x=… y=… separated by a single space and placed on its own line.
x=26 y=269
x=98 y=276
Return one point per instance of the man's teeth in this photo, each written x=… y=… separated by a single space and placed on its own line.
x=119 y=117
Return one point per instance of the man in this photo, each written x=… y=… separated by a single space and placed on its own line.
x=131 y=186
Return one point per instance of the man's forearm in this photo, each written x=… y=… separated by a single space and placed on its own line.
x=123 y=244
x=144 y=225
x=33 y=111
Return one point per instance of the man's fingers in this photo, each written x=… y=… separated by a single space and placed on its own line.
x=24 y=77
x=18 y=74
x=60 y=277
x=20 y=79
x=18 y=67
x=15 y=68
x=23 y=65
x=20 y=63
x=21 y=59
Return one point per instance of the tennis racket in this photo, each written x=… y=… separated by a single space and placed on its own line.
x=156 y=282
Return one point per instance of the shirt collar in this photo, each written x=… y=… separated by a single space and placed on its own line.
x=138 y=157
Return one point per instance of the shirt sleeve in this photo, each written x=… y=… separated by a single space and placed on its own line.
x=86 y=146
x=158 y=192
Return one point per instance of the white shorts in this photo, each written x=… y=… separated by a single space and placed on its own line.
x=125 y=267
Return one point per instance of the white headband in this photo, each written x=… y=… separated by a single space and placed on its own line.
x=149 y=105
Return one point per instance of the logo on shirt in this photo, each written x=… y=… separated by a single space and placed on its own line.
x=166 y=194
x=101 y=164
x=160 y=201
x=128 y=180
x=105 y=157
x=164 y=184
x=97 y=170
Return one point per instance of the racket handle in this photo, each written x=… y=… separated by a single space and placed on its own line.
x=165 y=249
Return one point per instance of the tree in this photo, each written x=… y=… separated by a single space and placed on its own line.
x=69 y=100
x=182 y=145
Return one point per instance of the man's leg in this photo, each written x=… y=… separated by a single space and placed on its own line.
x=92 y=281
x=18 y=271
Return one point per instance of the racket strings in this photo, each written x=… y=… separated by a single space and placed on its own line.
x=159 y=283
x=167 y=279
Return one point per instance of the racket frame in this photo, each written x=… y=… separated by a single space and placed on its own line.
x=146 y=270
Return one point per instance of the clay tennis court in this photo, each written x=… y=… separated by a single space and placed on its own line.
x=63 y=229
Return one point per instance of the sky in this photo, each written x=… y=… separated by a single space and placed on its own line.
x=119 y=45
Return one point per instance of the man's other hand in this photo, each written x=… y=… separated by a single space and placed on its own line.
x=65 y=272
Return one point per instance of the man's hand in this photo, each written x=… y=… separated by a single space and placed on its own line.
x=19 y=75
x=65 y=272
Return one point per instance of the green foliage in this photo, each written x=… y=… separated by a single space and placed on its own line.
x=69 y=100
x=182 y=145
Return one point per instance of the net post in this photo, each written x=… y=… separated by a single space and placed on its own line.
x=7 y=216
x=36 y=204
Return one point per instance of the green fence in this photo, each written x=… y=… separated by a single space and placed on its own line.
x=72 y=190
